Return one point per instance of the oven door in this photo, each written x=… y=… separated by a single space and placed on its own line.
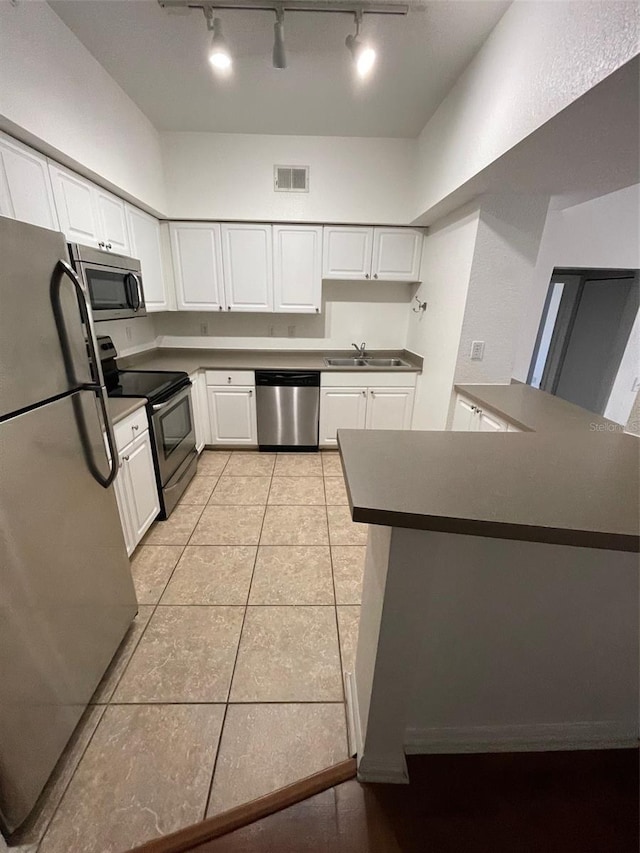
x=173 y=432
x=114 y=293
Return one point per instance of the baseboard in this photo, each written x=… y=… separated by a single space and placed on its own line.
x=354 y=730
x=541 y=737
x=214 y=827
x=383 y=769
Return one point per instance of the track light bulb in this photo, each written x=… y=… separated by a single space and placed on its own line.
x=279 y=56
x=219 y=55
x=364 y=55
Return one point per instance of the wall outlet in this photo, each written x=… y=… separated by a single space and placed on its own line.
x=204 y=328
x=291 y=331
x=128 y=333
x=477 y=350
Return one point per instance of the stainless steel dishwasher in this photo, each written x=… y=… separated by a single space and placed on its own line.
x=288 y=404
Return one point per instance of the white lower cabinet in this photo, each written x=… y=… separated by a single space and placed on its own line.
x=200 y=409
x=341 y=408
x=389 y=408
x=344 y=404
x=232 y=414
x=135 y=484
x=470 y=417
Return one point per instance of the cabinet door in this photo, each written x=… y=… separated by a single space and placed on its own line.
x=197 y=262
x=464 y=419
x=124 y=509
x=25 y=185
x=389 y=408
x=140 y=485
x=232 y=415
x=396 y=254
x=341 y=408
x=144 y=231
x=297 y=268
x=247 y=258
x=200 y=409
x=346 y=252
x=513 y=428
x=112 y=222
x=489 y=423
x=75 y=203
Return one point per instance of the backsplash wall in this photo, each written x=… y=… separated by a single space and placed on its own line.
x=374 y=312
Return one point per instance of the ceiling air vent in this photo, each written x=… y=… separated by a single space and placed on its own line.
x=291 y=179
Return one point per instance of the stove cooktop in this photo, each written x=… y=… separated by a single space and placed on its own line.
x=152 y=384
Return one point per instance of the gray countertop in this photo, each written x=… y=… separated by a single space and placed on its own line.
x=536 y=410
x=579 y=488
x=120 y=407
x=220 y=359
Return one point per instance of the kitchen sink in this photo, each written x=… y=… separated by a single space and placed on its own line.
x=386 y=362
x=365 y=362
x=346 y=362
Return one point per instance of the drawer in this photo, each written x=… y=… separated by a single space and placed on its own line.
x=130 y=428
x=230 y=377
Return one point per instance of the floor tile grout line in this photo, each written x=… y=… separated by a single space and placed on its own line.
x=235 y=660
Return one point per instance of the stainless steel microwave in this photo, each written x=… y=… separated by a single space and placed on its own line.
x=112 y=282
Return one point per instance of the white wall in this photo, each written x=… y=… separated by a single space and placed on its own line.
x=230 y=176
x=502 y=273
x=604 y=232
x=540 y=57
x=434 y=334
x=129 y=336
x=52 y=90
x=351 y=312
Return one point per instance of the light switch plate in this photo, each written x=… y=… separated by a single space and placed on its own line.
x=477 y=350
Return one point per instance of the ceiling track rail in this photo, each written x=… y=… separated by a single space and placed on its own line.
x=291 y=6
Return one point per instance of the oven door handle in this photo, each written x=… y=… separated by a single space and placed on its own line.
x=98 y=388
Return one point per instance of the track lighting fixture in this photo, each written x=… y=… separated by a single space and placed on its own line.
x=219 y=54
x=279 y=56
x=363 y=55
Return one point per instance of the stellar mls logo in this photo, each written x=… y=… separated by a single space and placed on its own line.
x=594 y=427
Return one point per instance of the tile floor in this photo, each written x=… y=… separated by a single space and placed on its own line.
x=229 y=683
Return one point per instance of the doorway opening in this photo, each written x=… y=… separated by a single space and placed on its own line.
x=587 y=350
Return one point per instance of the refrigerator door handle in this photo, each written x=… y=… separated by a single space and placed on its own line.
x=98 y=387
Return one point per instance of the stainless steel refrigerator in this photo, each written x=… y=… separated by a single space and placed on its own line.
x=66 y=593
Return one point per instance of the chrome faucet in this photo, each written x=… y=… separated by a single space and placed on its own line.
x=361 y=350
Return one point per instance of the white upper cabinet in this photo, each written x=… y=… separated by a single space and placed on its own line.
x=197 y=260
x=396 y=254
x=347 y=252
x=144 y=231
x=387 y=254
x=297 y=268
x=112 y=223
x=248 y=266
x=88 y=214
x=76 y=206
x=25 y=185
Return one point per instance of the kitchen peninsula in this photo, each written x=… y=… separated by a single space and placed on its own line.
x=500 y=598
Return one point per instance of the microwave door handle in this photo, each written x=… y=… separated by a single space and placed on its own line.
x=132 y=287
x=63 y=269
x=136 y=282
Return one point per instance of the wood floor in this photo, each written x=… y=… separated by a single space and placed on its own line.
x=579 y=802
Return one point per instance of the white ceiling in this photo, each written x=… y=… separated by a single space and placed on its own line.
x=160 y=60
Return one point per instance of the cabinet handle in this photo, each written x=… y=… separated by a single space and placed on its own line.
x=473 y=409
x=373 y=393
x=228 y=380
x=364 y=393
x=219 y=307
x=135 y=427
x=101 y=245
x=125 y=458
x=251 y=393
x=317 y=310
x=228 y=307
x=109 y=246
x=375 y=275
x=366 y=275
